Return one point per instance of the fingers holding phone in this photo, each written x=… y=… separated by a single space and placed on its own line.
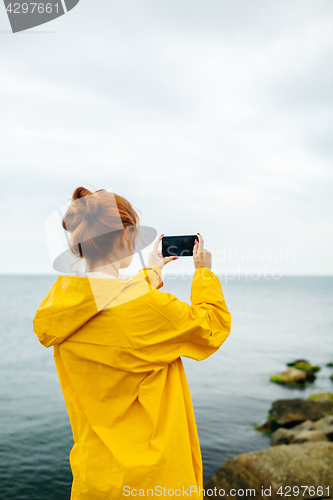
x=186 y=246
x=156 y=258
x=201 y=256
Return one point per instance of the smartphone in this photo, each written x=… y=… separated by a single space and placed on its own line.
x=180 y=246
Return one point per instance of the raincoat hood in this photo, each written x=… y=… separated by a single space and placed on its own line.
x=68 y=305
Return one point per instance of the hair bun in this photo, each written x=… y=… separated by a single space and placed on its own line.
x=88 y=203
x=80 y=192
x=91 y=204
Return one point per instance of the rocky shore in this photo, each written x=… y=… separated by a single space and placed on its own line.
x=299 y=462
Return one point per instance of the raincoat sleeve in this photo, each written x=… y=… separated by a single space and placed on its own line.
x=172 y=328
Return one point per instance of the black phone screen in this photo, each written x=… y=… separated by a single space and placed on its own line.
x=180 y=246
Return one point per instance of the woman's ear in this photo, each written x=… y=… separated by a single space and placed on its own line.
x=127 y=241
x=122 y=239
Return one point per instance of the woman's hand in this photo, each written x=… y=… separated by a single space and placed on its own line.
x=155 y=257
x=201 y=256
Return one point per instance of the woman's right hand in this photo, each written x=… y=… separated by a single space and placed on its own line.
x=201 y=256
x=155 y=257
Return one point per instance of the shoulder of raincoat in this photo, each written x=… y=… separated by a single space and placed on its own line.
x=150 y=320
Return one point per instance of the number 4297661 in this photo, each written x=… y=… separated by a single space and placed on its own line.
x=25 y=8
x=311 y=491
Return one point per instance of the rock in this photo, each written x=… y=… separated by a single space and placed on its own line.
x=281 y=436
x=310 y=376
x=285 y=465
x=325 y=425
x=291 y=376
x=292 y=363
x=322 y=396
x=330 y=365
x=305 y=436
x=303 y=364
x=307 y=425
x=290 y=412
x=284 y=435
x=265 y=427
x=320 y=430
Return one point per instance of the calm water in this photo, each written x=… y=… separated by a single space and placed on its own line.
x=272 y=323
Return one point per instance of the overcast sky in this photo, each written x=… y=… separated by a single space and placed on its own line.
x=209 y=116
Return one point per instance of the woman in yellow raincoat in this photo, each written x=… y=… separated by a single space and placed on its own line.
x=117 y=347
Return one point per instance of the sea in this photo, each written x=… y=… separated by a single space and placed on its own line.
x=274 y=321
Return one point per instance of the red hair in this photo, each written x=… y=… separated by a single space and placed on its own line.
x=94 y=222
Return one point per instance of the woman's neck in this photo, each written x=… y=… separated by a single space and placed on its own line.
x=111 y=268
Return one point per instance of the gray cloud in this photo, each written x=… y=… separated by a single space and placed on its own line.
x=212 y=117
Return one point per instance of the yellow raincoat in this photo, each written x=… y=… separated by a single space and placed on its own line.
x=117 y=347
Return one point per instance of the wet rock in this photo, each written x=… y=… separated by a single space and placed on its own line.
x=306 y=436
x=307 y=425
x=303 y=364
x=290 y=412
x=281 y=436
x=310 y=376
x=284 y=435
x=292 y=363
x=322 y=396
x=264 y=427
x=291 y=376
x=286 y=465
x=325 y=425
x=320 y=430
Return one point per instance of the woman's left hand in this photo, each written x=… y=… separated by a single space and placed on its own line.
x=155 y=257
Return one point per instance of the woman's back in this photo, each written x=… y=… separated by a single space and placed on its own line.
x=123 y=380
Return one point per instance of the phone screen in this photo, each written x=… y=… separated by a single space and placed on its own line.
x=180 y=246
